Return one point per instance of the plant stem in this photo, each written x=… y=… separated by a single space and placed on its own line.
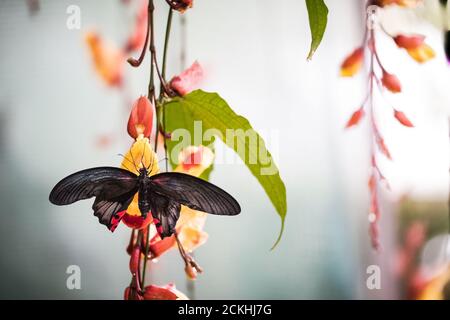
x=151 y=97
x=166 y=42
x=151 y=85
x=147 y=248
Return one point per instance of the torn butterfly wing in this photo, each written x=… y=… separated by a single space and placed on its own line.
x=113 y=188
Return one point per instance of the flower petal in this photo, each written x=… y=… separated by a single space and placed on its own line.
x=108 y=60
x=403 y=119
x=168 y=292
x=355 y=118
x=352 y=64
x=188 y=80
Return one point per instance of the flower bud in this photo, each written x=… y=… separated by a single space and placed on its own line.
x=391 y=82
x=355 y=118
x=401 y=117
x=141 y=118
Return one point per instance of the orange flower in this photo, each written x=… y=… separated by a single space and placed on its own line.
x=352 y=64
x=391 y=82
x=416 y=47
x=108 y=60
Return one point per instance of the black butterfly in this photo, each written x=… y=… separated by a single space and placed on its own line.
x=161 y=194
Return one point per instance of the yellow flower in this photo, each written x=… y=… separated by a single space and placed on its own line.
x=139 y=156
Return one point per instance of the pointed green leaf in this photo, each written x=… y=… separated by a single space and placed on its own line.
x=318 y=17
x=206 y=111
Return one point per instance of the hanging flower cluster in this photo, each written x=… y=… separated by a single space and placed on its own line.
x=146 y=244
x=384 y=80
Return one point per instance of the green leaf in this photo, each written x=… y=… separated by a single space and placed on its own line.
x=209 y=113
x=318 y=17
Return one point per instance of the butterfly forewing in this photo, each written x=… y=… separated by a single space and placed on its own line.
x=195 y=193
x=107 y=182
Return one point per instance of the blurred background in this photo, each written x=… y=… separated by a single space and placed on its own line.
x=57 y=117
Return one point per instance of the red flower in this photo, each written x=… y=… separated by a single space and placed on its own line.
x=141 y=118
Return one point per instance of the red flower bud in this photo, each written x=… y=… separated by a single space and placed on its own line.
x=141 y=118
x=391 y=82
x=401 y=117
x=355 y=118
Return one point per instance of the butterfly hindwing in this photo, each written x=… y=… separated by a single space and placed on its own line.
x=165 y=213
x=106 y=210
x=195 y=193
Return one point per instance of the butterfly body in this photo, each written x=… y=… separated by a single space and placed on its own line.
x=161 y=194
